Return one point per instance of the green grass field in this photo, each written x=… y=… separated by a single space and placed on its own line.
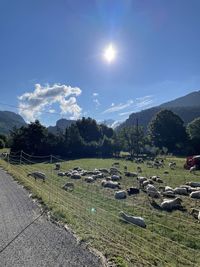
x=92 y=212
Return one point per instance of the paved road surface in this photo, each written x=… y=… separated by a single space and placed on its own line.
x=42 y=243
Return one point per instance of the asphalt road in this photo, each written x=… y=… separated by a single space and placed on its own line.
x=42 y=243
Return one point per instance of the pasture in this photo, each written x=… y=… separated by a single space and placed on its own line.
x=92 y=212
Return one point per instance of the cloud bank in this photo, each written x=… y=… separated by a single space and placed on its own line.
x=115 y=108
x=32 y=104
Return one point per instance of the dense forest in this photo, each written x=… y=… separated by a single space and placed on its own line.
x=86 y=138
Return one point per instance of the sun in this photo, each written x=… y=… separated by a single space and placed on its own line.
x=109 y=53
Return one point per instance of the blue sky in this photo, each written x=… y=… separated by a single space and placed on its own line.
x=51 y=62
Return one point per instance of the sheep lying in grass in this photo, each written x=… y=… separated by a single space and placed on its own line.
x=68 y=186
x=181 y=191
x=170 y=205
x=110 y=184
x=37 y=175
x=98 y=176
x=115 y=177
x=156 y=179
x=168 y=192
x=139 y=221
x=196 y=214
x=172 y=165
x=75 y=176
x=61 y=173
x=193 y=169
x=133 y=190
x=57 y=166
x=195 y=194
x=120 y=194
x=89 y=179
x=193 y=184
x=114 y=170
x=152 y=191
x=131 y=174
x=104 y=170
x=141 y=180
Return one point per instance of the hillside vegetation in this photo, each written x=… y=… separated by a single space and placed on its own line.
x=170 y=239
x=187 y=107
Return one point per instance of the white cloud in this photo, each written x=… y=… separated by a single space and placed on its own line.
x=97 y=103
x=115 y=108
x=140 y=103
x=125 y=113
x=95 y=94
x=52 y=111
x=144 y=101
x=32 y=104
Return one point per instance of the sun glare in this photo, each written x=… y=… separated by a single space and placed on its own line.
x=109 y=53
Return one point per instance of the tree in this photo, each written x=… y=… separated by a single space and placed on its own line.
x=193 y=130
x=2 y=143
x=133 y=139
x=167 y=130
x=89 y=130
x=75 y=141
x=31 y=138
x=107 y=147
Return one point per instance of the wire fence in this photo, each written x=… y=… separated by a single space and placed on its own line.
x=161 y=243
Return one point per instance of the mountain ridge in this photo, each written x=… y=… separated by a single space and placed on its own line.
x=8 y=120
x=187 y=107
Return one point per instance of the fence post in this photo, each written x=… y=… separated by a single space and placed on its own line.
x=8 y=160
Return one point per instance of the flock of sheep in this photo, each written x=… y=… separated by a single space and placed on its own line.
x=151 y=186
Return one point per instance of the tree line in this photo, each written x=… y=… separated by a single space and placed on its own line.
x=86 y=138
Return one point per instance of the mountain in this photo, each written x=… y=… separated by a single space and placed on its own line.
x=61 y=125
x=187 y=107
x=111 y=123
x=189 y=100
x=8 y=120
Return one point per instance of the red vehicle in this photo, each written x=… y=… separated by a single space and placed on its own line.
x=191 y=161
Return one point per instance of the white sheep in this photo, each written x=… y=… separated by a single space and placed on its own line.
x=104 y=170
x=168 y=193
x=110 y=184
x=172 y=165
x=75 y=176
x=139 y=221
x=68 y=186
x=193 y=184
x=120 y=194
x=195 y=194
x=193 y=169
x=152 y=191
x=169 y=205
x=37 y=175
x=181 y=191
x=141 y=180
x=97 y=176
x=114 y=170
x=61 y=173
x=57 y=166
x=89 y=179
x=115 y=177
x=131 y=174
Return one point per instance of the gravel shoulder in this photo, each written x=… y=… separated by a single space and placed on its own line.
x=42 y=243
